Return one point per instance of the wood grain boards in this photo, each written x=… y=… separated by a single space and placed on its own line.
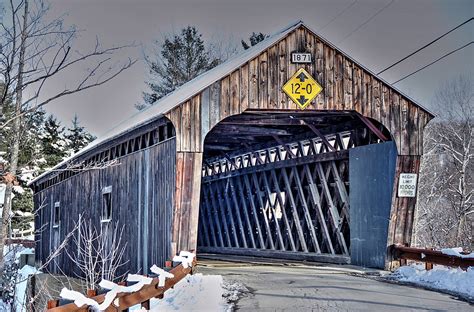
x=142 y=201
x=402 y=212
x=281 y=208
x=257 y=85
x=186 y=205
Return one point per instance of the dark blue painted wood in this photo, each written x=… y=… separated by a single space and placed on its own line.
x=371 y=176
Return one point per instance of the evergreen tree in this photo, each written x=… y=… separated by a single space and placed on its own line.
x=29 y=160
x=254 y=39
x=78 y=137
x=30 y=154
x=182 y=58
x=53 y=142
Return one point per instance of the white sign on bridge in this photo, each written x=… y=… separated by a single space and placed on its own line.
x=407 y=185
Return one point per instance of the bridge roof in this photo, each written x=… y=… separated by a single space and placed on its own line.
x=198 y=84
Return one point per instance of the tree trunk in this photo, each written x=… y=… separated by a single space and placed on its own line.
x=460 y=239
x=13 y=167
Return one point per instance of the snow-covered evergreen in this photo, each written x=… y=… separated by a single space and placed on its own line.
x=78 y=136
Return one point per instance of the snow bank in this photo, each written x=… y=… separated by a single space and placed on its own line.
x=18 y=189
x=456 y=252
x=233 y=291
x=440 y=277
x=20 y=289
x=4 y=307
x=13 y=251
x=24 y=251
x=193 y=293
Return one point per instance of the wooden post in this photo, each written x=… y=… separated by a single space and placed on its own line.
x=403 y=208
x=146 y=305
x=52 y=304
x=428 y=266
x=91 y=293
x=186 y=201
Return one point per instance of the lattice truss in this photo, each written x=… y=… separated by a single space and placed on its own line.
x=289 y=198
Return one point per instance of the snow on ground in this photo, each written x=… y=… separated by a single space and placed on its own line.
x=12 y=251
x=233 y=291
x=457 y=252
x=4 y=307
x=20 y=289
x=12 y=254
x=198 y=292
x=440 y=277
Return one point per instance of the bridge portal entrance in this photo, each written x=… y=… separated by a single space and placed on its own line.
x=277 y=184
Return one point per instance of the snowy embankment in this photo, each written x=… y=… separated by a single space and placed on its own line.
x=20 y=288
x=198 y=292
x=440 y=277
x=457 y=251
x=192 y=293
x=18 y=278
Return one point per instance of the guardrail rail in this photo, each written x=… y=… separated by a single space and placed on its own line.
x=127 y=300
x=429 y=257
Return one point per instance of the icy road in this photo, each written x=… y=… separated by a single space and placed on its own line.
x=324 y=288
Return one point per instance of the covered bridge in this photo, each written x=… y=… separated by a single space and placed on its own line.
x=228 y=164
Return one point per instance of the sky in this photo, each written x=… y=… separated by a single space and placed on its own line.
x=376 y=42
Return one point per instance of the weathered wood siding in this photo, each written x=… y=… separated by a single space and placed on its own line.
x=142 y=201
x=403 y=209
x=257 y=84
x=186 y=208
x=254 y=85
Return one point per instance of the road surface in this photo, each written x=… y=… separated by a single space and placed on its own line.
x=325 y=288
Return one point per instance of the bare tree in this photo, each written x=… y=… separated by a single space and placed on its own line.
x=98 y=253
x=34 y=51
x=446 y=196
x=11 y=276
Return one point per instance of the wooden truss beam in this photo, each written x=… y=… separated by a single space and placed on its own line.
x=287 y=207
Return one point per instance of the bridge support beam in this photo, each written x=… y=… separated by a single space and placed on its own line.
x=403 y=208
x=186 y=201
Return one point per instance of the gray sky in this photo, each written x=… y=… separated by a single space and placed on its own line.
x=397 y=31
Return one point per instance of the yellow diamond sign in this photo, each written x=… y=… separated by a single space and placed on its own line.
x=302 y=88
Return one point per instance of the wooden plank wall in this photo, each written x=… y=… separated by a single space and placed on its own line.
x=254 y=85
x=257 y=85
x=186 y=205
x=402 y=214
x=142 y=200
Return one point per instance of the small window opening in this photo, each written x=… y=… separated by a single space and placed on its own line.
x=161 y=133
x=56 y=214
x=170 y=130
x=106 y=214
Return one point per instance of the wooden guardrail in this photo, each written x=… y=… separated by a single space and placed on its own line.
x=429 y=257
x=17 y=234
x=127 y=300
x=25 y=242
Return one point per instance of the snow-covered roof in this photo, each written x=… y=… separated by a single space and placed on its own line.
x=194 y=86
